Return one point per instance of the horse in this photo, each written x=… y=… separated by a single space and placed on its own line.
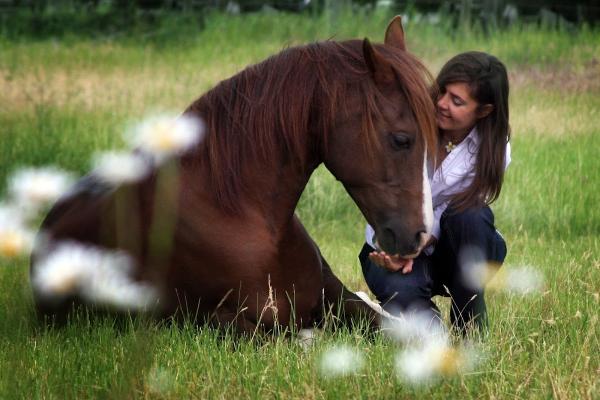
x=232 y=252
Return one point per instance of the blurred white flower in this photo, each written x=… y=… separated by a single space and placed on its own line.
x=97 y=275
x=519 y=280
x=340 y=361
x=32 y=188
x=478 y=273
x=408 y=327
x=120 y=167
x=416 y=327
x=415 y=365
x=432 y=360
x=15 y=242
x=15 y=238
x=165 y=136
x=63 y=272
x=10 y=214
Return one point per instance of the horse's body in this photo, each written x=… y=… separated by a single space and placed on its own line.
x=233 y=251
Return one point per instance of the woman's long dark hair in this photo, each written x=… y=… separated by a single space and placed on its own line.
x=488 y=81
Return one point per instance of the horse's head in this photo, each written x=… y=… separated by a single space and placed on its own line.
x=378 y=149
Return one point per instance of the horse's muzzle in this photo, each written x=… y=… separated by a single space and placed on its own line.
x=403 y=242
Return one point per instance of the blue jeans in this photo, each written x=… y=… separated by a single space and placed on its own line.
x=440 y=273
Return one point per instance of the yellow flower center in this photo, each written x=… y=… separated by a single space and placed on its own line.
x=449 y=362
x=11 y=244
x=164 y=138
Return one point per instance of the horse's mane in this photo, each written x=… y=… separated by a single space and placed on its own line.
x=273 y=111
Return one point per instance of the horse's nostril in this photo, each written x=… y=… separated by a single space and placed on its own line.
x=420 y=238
x=390 y=235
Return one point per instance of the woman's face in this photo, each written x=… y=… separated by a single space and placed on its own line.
x=456 y=109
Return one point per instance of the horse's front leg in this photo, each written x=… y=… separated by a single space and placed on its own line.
x=343 y=303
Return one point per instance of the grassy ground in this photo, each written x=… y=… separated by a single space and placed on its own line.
x=63 y=99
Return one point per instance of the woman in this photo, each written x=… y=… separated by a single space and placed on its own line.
x=471 y=98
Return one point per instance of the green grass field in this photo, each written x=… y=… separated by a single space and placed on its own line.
x=61 y=100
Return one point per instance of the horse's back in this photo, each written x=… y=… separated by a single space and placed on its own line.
x=80 y=204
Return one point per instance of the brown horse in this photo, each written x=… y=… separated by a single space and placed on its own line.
x=220 y=239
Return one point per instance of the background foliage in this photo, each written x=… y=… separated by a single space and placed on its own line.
x=157 y=18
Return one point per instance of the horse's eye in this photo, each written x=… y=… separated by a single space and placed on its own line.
x=399 y=141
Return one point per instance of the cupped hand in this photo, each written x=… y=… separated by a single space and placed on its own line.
x=392 y=263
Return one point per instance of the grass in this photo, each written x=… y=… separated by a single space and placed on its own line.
x=64 y=99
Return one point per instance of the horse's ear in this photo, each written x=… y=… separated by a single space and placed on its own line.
x=380 y=68
x=394 y=34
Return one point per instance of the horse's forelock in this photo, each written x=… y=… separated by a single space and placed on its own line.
x=416 y=80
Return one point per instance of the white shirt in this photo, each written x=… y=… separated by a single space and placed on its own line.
x=454 y=175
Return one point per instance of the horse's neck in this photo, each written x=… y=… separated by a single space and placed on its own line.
x=271 y=186
x=270 y=196
x=276 y=194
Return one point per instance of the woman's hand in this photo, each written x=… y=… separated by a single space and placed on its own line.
x=391 y=263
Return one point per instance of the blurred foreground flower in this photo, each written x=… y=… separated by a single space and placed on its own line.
x=518 y=280
x=408 y=327
x=15 y=238
x=96 y=275
x=164 y=136
x=340 y=361
x=416 y=327
x=478 y=273
x=434 y=359
x=120 y=167
x=32 y=188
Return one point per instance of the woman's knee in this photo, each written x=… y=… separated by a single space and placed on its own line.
x=500 y=249
x=472 y=226
x=472 y=220
x=472 y=231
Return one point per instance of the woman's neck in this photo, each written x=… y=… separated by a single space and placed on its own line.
x=454 y=137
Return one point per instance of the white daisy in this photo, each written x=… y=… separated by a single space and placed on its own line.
x=477 y=275
x=32 y=188
x=63 y=272
x=517 y=280
x=111 y=284
x=415 y=327
x=120 y=167
x=165 y=136
x=434 y=359
x=523 y=280
x=340 y=361
x=15 y=238
x=97 y=275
